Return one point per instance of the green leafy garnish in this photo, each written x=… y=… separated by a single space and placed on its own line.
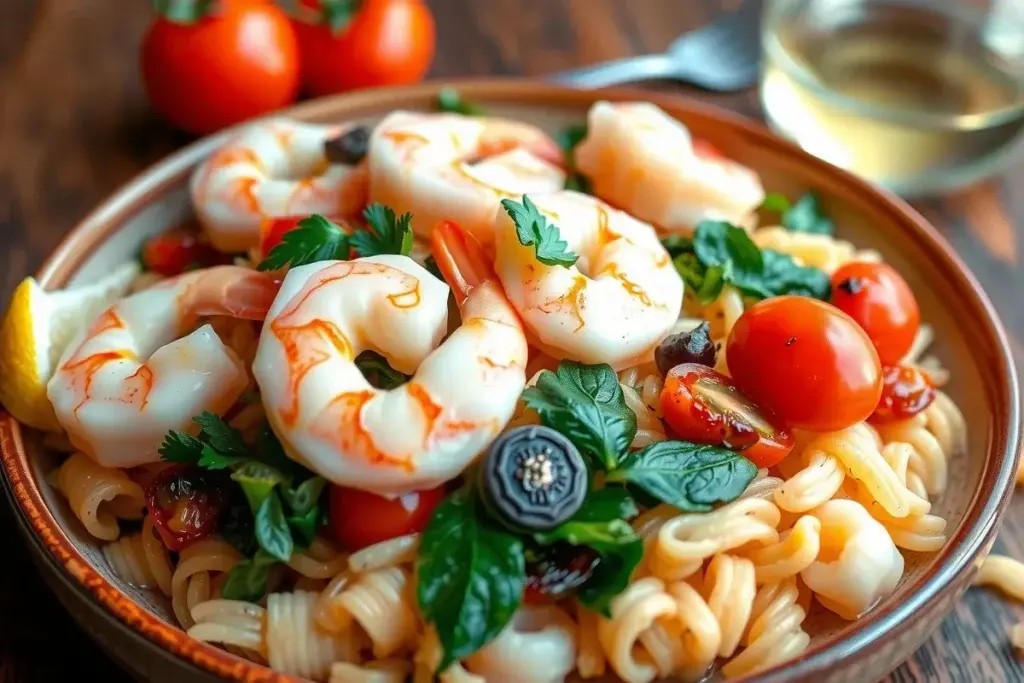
x=688 y=476
x=385 y=233
x=449 y=100
x=313 y=239
x=806 y=215
x=776 y=202
x=181 y=447
x=471 y=575
x=676 y=245
x=272 y=531
x=222 y=436
x=248 y=579
x=568 y=138
x=585 y=403
x=533 y=230
x=257 y=480
x=378 y=371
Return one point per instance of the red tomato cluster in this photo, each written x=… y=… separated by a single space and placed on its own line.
x=210 y=64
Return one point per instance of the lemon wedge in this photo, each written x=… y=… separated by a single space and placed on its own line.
x=37 y=329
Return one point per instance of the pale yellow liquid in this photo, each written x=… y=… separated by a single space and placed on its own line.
x=904 y=95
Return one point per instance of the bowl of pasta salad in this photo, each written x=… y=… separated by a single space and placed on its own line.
x=506 y=382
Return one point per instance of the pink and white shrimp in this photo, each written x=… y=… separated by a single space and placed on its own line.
x=141 y=368
x=273 y=169
x=452 y=167
x=423 y=432
x=645 y=162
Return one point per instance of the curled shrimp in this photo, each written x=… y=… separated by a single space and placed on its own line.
x=452 y=167
x=614 y=305
x=645 y=162
x=141 y=368
x=273 y=169
x=423 y=432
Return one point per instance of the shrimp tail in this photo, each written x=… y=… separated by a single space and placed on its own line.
x=461 y=259
x=233 y=291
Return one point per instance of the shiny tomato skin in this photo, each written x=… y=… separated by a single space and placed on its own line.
x=239 y=61
x=703 y=406
x=186 y=504
x=881 y=302
x=906 y=391
x=387 y=42
x=175 y=251
x=274 y=232
x=359 y=518
x=806 y=361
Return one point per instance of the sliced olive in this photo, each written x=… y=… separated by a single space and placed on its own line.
x=348 y=148
x=533 y=478
x=694 y=346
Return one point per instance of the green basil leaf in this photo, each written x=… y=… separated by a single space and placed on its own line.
x=807 y=216
x=384 y=234
x=248 y=579
x=378 y=371
x=783 y=276
x=711 y=288
x=775 y=202
x=533 y=230
x=690 y=269
x=718 y=243
x=611 y=576
x=305 y=496
x=688 y=476
x=304 y=527
x=599 y=524
x=257 y=481
x=585 y=403
x=470 y=576
x=272 y=530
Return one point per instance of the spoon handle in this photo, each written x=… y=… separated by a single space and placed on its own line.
x=643 y=68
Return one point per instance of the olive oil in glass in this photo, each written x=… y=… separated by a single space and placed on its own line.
x=918 y=96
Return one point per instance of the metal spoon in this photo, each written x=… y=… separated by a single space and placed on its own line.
x=724 y=56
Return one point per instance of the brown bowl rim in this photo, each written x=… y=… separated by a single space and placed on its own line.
x=863 y=636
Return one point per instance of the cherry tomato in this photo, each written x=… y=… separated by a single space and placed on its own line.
x=386 y=42
x=359 y=518
x=906 y=391
x=880 y=300
x=703 y=406
x=175 y=251
x=274 y=232
x=207 y=70
x=186 y=504
x=807 y=362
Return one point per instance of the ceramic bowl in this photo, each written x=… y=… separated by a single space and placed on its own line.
x=137 y=627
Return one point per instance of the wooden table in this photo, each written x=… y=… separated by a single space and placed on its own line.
x=76 y=125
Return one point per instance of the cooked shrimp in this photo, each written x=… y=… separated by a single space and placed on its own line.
x=614 y=305
x=141 y=369
x=645 y=162
x=452 y=167
x=421 y=433
x=274 y=168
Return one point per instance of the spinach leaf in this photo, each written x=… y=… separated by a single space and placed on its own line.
x=533 y=230
x=686 y=475
x=471 y=576
x=808 y=216
x=585 y=403
x=272 y=531
x=248 y=579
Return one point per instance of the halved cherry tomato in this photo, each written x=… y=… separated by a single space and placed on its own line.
x=186 y=503
x=359 y=518
x=807 y=362
x=906 y=391
x=209 y=65
x=386 y=42
x=881 y=302
x=175 y=251
x=704 y=406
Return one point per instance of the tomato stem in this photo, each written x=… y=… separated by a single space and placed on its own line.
x=338 y=14
x=183 y=11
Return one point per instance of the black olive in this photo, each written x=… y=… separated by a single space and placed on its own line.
x=694 y=346
x=533 y=478
x=557 y=570
x=348 y=148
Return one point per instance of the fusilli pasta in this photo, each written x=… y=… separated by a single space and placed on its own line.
x=193 y=582
x=99 y=496
x=141 y=559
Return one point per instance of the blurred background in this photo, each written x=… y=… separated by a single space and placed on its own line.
x=77 y=121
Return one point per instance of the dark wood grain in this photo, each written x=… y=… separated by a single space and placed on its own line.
x=75 y=125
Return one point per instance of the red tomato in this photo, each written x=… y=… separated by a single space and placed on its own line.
x=274 y=232
x=906 y=391
x=387 y=42
x=704 y=406
x=880 y=300
x=807 y=362
x=359 y=518
x=238 y=61
x=186 y=503
x=175 y=251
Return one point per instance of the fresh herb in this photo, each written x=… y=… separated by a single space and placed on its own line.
x=722 y=253
x=611 y=577
x=222 y=436
x=586 y=404
x=272 y=531
x=313 y=239
x=449 y=100
x=677 y=245
x=686 y=475
x=248 y=579
x=237 y=526
x=776 y=202
x=378 y=371
x=430 y=263
x=533 y=230
x=385 y=233
x=806 y=215
x=568 y=139
x=257 y=480
x=471 y=575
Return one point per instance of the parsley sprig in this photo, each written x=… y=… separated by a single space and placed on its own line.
x=385 y=233
x=534 y=230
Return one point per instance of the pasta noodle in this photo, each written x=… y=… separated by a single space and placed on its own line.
x=383 y=671
x=192 y=583
x=700 y=633
x=428 y=658
x=381 y=602
x=590 y=659
x=396 y=551
x=141 y=559
x=229 y=622
x=730 y=588
x=775 y=633
x=634 y=612
x=820 y=251
x=796 y=549
x=99 y=496
x=319 y=561
x=294 y=644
